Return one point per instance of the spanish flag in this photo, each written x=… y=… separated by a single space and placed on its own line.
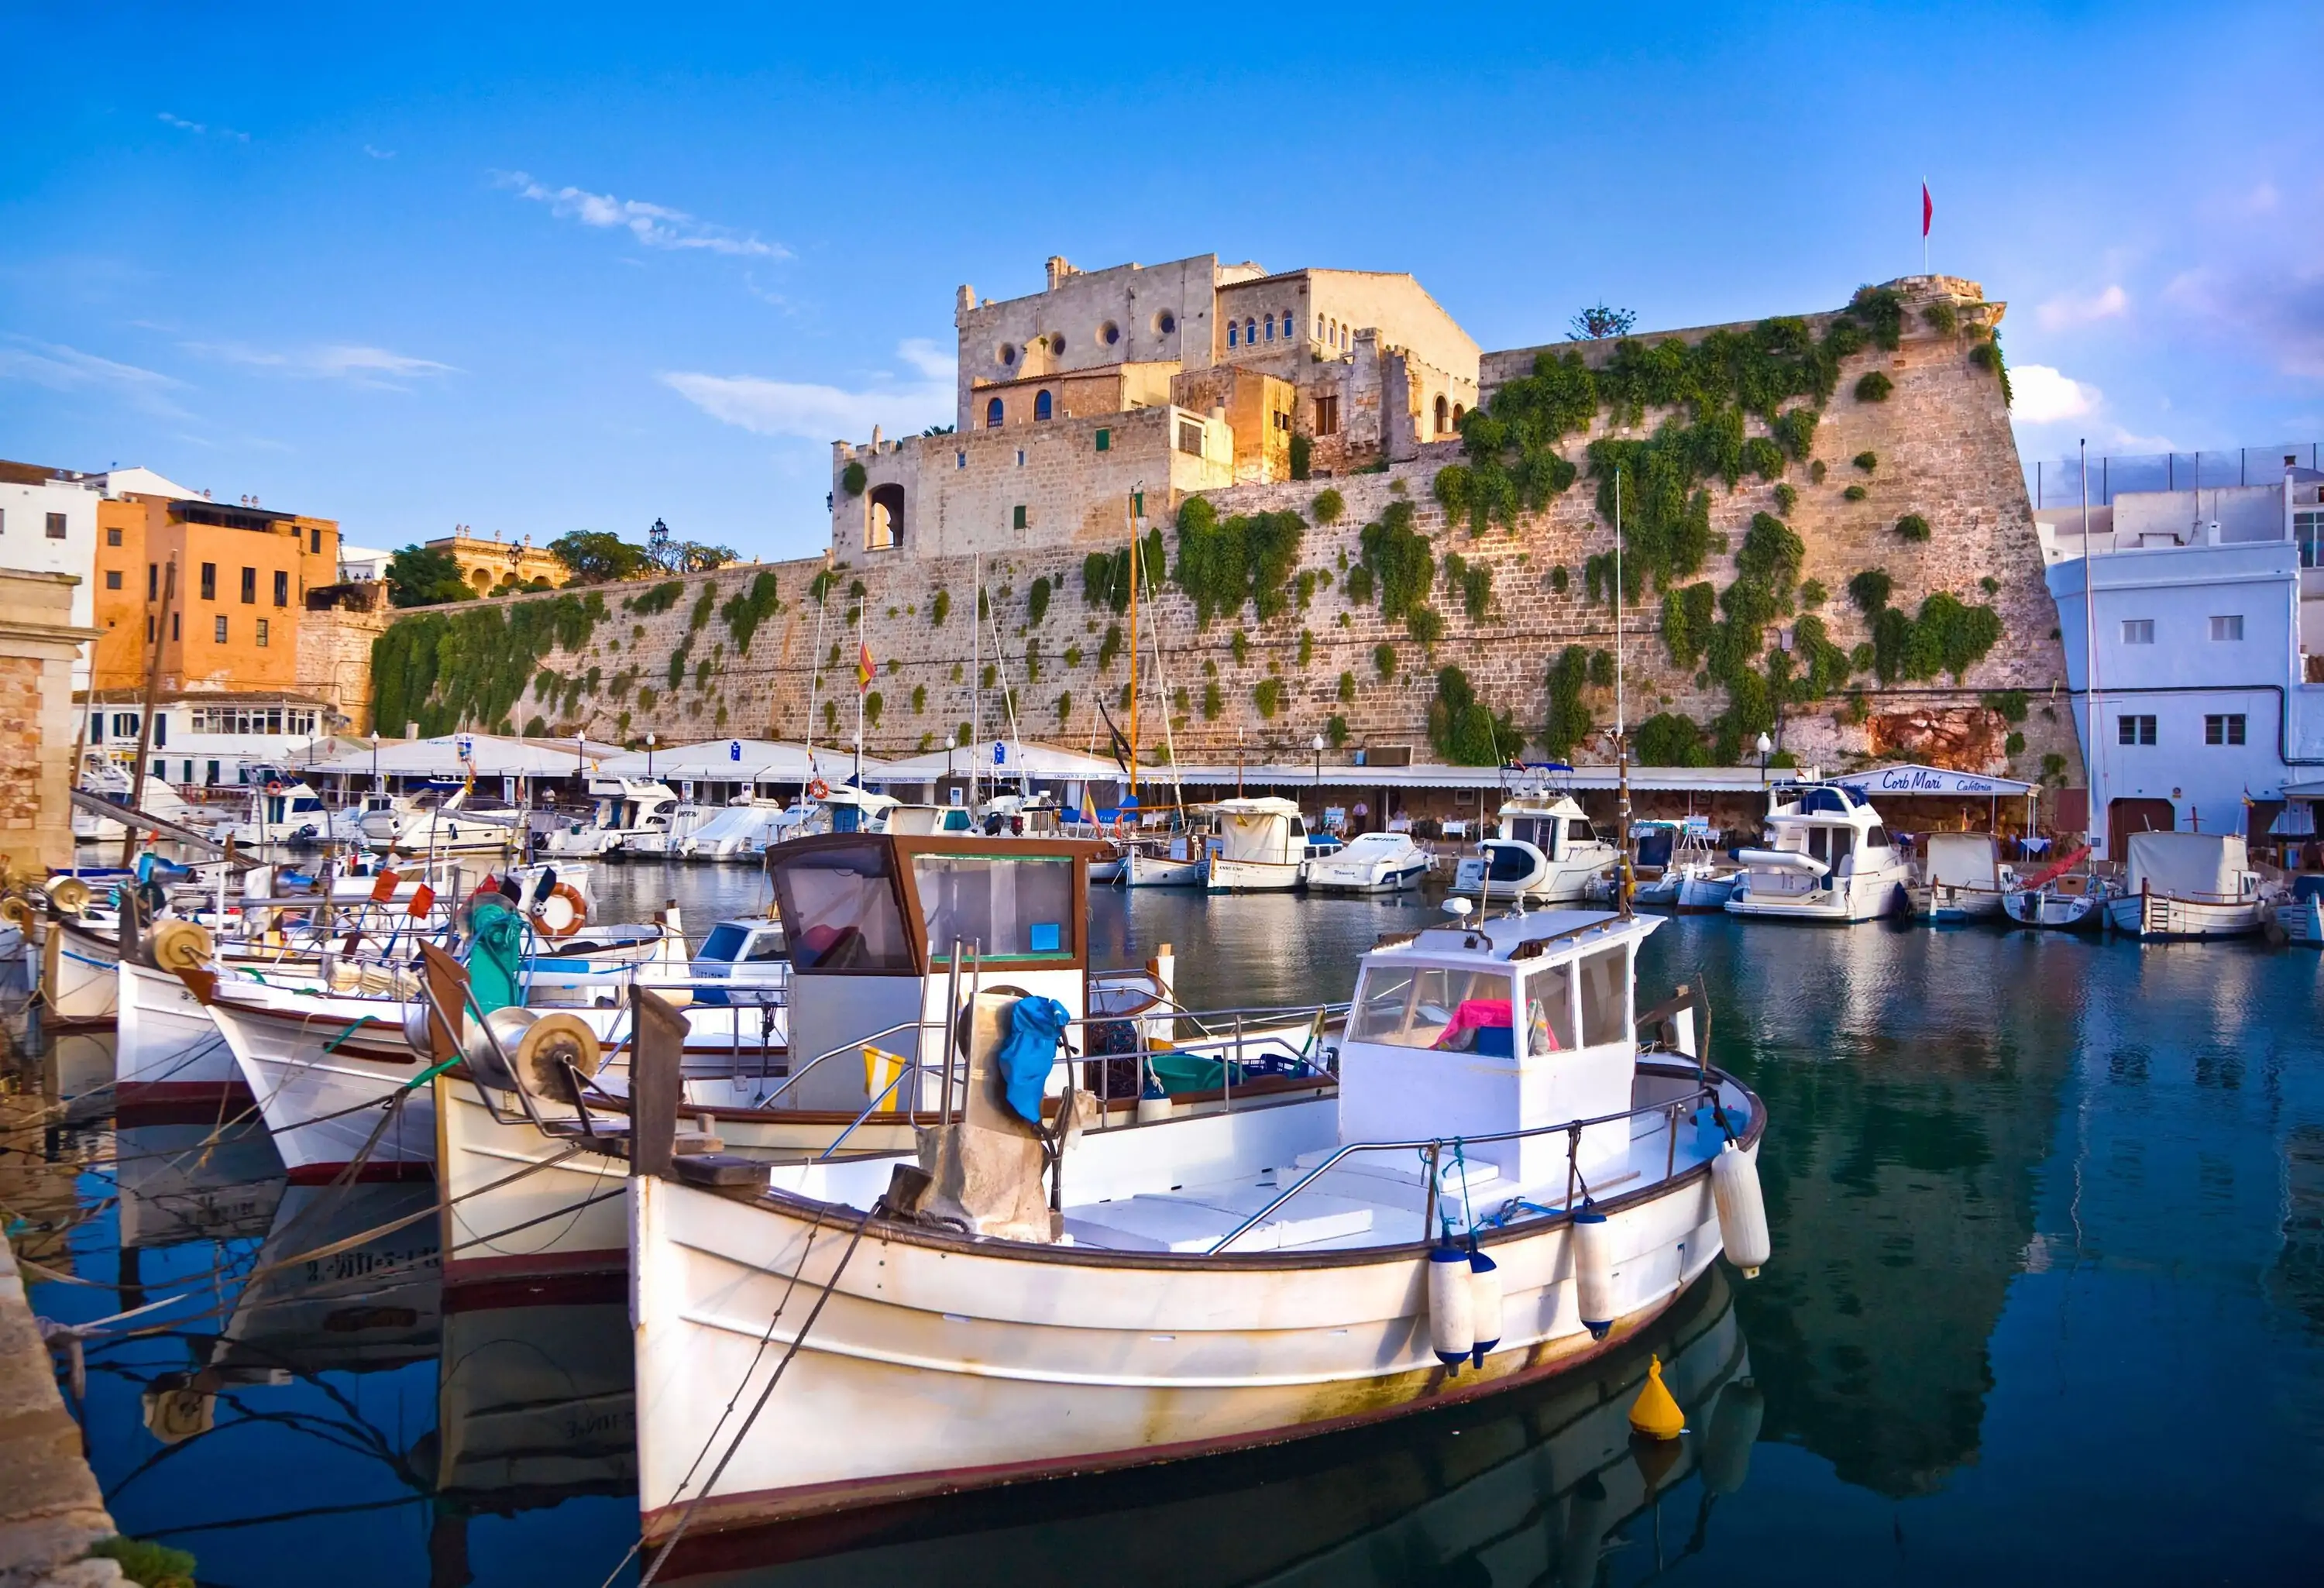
x=862 y=667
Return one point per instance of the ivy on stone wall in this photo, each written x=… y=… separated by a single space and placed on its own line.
x=1471 y=583
x=1568 y=721
x=1462 y=730
x=1224 y=562
x=444 y=671
x=660 y=598
x=1670 y=738
x=1037 y=602
x=1400 y=559
x=745 y=610
x=1689 y=615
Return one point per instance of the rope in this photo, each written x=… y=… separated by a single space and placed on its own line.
x=653 y=1568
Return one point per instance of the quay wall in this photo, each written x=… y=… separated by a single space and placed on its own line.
x=50 y=1507
x=1944 y=449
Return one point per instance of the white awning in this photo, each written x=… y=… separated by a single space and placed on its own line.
x=1007 y=759
x=741 y=760
x=1894 y=780
x=487 y=755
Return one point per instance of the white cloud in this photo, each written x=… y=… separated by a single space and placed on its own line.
x=378 y=154
x=817 y=413
x=655 y=226
x=199 y=129
x=2064 y=313
x=2278 y=307
x=67 y=369
x=2040 y=395
x=362 y=366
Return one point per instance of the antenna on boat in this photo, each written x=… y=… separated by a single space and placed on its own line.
x=1621 y=726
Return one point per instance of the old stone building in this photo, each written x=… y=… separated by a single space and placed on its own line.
x=1861 y=544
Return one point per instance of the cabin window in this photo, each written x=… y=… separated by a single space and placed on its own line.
x=1875 y=836
x=724 y=942
x=1577 y=831
x=1432 y=1007
x=1606 y=996
x=839 y=909
x=1006 y=909
x=1549 y=1009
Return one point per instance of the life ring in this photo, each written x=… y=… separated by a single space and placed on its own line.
x=561 y=913
x=817 y=789
x=272 y=787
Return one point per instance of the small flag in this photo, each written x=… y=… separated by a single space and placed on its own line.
x=862 y=667
x=383 y=891
x=1089 y=805
x=423 y=900
x=1928 y=211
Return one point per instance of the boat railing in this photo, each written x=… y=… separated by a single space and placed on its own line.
x=1433 y=1147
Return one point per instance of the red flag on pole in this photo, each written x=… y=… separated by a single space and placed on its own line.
x=864 y=668
x=1928 y=211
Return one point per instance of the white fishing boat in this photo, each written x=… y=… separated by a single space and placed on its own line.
x=2300 y=918
x=1678 y=868
x=2188 y=885
x=1261 y=846
x=1827 y=857
x=1175 y=860
x=1546 y=853
x=1505 y=1183
x=1963 y=878
x=1373 y=862
x=2072 y=901
x=627 y=810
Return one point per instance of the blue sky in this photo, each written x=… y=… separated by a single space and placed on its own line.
x=579 y=269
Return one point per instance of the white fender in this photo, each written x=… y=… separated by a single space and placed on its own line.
x=1593 y=1271
x=1452 y=1312
x=1484 y=1306
x=1742 y=1212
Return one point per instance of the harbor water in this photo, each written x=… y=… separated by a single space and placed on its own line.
x=2047 y=1303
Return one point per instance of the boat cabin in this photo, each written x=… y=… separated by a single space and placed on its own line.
x=1818 y=831
x=1558 y=829
x=1506 y=1025
x=1266 y=831
x=749 y=950
x=873 y=922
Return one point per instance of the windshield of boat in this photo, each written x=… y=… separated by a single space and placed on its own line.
x=724 y=942
x=1433 y=1006
x=840 y=911
x=1011 y=909
x=1375 y=846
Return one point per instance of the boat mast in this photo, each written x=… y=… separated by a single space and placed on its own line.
x=1136 y=502
x=815 y=662
x=2089 y=661
x=145 y=720
x=1621 y=736
x=976 y=673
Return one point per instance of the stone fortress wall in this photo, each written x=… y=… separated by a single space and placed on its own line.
x=1944 y=453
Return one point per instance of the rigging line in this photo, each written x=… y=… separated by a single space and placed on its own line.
x=654 y=1568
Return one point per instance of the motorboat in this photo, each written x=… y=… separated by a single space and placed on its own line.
x=460 y=822
x=666 y=842
x=2188 y=885
x=1963 y=878
x=627 y=810
x=283 y=814
x=1678 y=868
x=2073 y=901
x=1506 y=1183
x=1262 y=846
x=2300 y=918
x=742 y=831
x=1371 y=863
x=1827 y=857
x=746 y=952
x=1177 y=859
x=1545 y=853
x=113 y=782
x=920 y=820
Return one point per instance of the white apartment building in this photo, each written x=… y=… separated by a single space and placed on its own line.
x=2197 y=624
x=47 y=524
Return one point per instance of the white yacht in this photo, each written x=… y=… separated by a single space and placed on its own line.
x=1375 y=863
x=283 y=814
x=2300 y=916
x=2188 y=885
x=741 y=831
x=628 y=809
x=1547 y=853
x=1827 y=858
x=1262 y=846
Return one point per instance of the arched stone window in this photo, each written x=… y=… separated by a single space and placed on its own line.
x=1042 y=407
x=992 y=414
x=884 y=529
x=1251 y=332
x=1270 y=328
x=1457 y=411
x=1234 y=333
x=1443 y=415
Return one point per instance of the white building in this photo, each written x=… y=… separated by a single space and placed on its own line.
x=203 y=741
x=47 y=524
x=2207 y=610
x=358 y=563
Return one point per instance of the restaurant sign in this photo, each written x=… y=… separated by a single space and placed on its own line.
x=1929 y=780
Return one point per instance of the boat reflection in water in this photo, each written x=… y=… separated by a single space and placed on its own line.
x=196 y=1182
x=1527 y=1487
x=534 y=1404
x=310 y=1308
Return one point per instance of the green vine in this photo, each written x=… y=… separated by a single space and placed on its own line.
x=449 y=671
x=745 y=610
x=1568 y=721
x=1223 y=563
x=1462 y=730
x=660 y=598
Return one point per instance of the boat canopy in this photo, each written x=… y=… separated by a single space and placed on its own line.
x=2188 y=865
x=1961 y=860
x=891 y=904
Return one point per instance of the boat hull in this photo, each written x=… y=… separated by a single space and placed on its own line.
x=1861 y=896
x=1140 y=869
x=941 y=1365
x=2302 y=922
x=2160 y=916
x=1947 y=904
x=2056 y=913
x=169 y=1056
x=82 y=985
x=325 y=1077
x=1325 y=878
x=1253 y=876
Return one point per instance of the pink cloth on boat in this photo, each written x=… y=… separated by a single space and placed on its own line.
x=1472 y=1014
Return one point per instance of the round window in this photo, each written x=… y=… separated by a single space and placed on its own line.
x=1008 y=355
x=1166 y=322
x=1057 y=344
x=1109 y=333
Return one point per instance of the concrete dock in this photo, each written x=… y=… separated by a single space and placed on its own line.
x=50 y=1507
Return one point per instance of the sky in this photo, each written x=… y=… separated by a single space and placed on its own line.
x=584 y=267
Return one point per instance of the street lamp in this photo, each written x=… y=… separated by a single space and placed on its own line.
x=1318 y=742
x=649 y=750
x=1766 y=748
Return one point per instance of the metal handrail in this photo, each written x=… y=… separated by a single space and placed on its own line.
x=1437 y=1144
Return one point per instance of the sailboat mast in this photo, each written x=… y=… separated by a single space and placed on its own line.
x=2089 y=659
x=1135 y=503
x=1621 y=723
x=975 y=673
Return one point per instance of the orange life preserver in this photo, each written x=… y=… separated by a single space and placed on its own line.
x=578 y=918
x=817 y=789
x=272 y=787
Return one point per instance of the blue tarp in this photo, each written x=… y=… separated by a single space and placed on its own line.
x=1037 y=1030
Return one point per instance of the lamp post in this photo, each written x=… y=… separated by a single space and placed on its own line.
x=1318 y=744
x=1766 y=748
x=649 y=750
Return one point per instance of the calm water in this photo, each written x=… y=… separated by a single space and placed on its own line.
x=2047 y=1303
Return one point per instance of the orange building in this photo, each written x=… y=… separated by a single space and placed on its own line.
x=242 y=574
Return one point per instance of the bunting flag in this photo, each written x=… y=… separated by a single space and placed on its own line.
x=1089 y=805
x=862 y=667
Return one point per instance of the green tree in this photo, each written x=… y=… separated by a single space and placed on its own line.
x=596 y=556
x=419 y=576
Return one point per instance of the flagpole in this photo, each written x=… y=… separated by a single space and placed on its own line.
x=863 y=683
x=1925 y=225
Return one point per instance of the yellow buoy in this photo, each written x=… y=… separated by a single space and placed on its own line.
x=1654 y=1414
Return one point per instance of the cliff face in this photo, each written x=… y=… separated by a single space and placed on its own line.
x=771 y=649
